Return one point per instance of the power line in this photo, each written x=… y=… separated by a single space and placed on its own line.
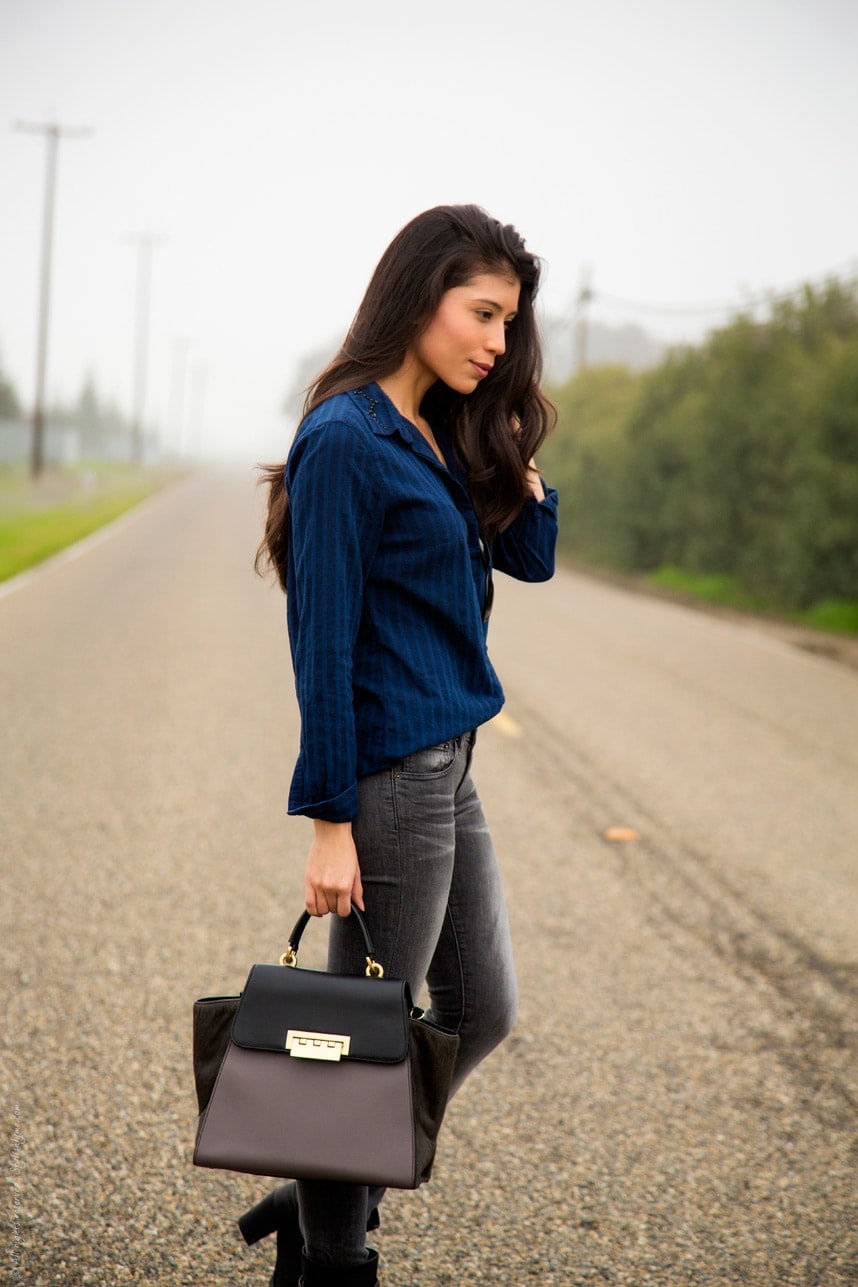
x=686 y=310
x=727 y=306
x=585 y=297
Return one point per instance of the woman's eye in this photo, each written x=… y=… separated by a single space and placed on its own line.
x=484 y=314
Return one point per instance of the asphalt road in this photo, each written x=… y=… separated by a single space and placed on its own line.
x=677 y=1104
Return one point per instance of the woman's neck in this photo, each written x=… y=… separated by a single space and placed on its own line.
x=407 y=388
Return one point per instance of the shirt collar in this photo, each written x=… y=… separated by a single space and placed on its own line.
x=385 y=420
x=379 y=410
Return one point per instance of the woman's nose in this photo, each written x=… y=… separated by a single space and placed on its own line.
x=496 y=342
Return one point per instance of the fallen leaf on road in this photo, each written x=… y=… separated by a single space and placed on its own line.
x=620 y=833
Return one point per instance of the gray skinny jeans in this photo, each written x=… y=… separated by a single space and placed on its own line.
x=435 y=910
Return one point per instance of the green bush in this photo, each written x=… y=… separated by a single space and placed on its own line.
x=737 y=459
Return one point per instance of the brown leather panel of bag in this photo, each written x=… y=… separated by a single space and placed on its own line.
x=239 y=1132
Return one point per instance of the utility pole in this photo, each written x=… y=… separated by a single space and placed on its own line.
x=199 y=382
x=53 y=134
x=145 y=243
x=585 y=295
x=178 y=383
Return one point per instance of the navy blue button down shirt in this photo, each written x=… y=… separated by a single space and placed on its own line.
x=385 y=591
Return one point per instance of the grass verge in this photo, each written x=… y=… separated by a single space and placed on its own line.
x=837 y=616
x=37 y=519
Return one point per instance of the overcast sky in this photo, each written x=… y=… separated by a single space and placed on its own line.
x=690 y=151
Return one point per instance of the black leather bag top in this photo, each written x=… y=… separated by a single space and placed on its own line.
x=278 y=1000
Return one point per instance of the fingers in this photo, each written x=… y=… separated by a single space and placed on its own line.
x=315 y=902
x=321 y=901
x=332 y=876
x=310 y=902
x=534 y=481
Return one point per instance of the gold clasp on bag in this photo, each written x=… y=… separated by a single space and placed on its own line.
x=330 y=1046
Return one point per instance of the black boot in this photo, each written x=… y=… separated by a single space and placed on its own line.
x=318 y=1275
x=279 y=1212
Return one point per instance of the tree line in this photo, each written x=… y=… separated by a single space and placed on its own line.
x=10 y=405
x=96 y=418
x=738 y=457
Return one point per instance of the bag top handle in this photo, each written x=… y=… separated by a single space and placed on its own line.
x=290 y=957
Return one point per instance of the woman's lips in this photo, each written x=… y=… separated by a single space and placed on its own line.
x=480 y=369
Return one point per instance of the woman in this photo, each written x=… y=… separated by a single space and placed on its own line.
x=411 y=477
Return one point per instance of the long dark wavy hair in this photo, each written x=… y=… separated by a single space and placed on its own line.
x=499 y=427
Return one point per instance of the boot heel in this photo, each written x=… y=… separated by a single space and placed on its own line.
x=269 y=1214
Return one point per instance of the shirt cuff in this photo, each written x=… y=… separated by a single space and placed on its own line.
x=548 y=501
x=340 y=808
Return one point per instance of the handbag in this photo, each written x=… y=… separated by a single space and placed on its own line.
x=312 y=1075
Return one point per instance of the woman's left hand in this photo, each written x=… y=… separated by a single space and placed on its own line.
x=534 y=481
x=534 y=478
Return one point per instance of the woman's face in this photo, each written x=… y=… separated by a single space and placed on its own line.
x=468 y=332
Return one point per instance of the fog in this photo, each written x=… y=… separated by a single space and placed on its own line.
x=691 y=156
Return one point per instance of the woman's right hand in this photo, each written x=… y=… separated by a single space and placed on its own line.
x=332 y=881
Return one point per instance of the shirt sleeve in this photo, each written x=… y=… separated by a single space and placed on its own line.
x=526 y=549
x=336 y=516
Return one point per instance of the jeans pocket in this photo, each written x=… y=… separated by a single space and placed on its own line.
x=432 y=762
